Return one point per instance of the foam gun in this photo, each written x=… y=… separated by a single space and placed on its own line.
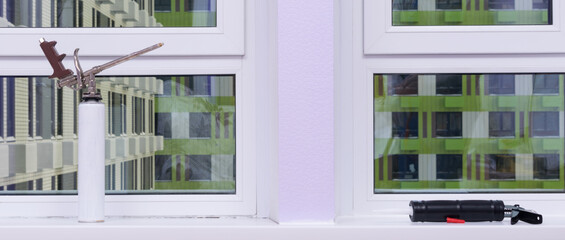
x=470 y=211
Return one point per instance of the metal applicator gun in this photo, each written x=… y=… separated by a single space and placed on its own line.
x=91 y=128
x=81 y=79
x=471 y=211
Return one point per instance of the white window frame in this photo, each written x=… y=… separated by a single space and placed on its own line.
x=227 y=38
x=215 y=51
x=354 y=114
x=381 y=37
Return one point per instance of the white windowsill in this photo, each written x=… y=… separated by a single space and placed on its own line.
x=389 y=227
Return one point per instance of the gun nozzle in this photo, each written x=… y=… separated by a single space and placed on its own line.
x=161 y=44
x=41 y=40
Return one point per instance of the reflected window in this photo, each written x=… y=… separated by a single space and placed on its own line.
x=103 y=21
x=471 y=12
x=500 y=83
x=163 y=167
x=199 y=168
x=469 y=142
x=151 y=114
x=30 y=105
x=448 y=124
x=1 y=107
x=500 y=166
x=449 y=166
x=67 y=181
x=44 y=110
x=402 y=84
x=163 y=5
x=183 y=127
x=198 y=86
x=129 y=172
x=405 y=5
x=117 y=113
x=115 y=13
x=501 y=124
x=546 y=166
x=138 y=115
x=448 y=4
x=163 y=124
x=11 y=107
x=405 y=124
x=546 y=84
x=200 y=125
x=59 y=111
x=500 y=4
x=449 y=84
x=167 y=86
x=404 y=166
x=197 y=5
x=545 y=124
x=540 y=4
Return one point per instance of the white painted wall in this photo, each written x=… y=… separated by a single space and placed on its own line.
x=305 y=91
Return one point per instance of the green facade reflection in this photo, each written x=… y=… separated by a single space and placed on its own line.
x=473 y=133
x=471 y=12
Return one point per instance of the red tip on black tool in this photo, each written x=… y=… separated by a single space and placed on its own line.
x=455 y=220
x=56 y=60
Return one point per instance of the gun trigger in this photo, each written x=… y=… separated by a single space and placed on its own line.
x=55 y=59
x=527 y=216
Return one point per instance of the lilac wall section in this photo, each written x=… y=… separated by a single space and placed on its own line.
x=305 y=85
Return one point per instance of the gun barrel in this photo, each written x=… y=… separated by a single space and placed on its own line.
x=67 y=81
x=128 y=57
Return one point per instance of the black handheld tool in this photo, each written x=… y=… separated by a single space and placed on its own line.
x=471 y=211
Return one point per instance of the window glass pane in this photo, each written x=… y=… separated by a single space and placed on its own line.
x=405 y=124
x=449 y=84
x=546 y=166
x=405 y=5
x=500 y=166
x=501 y=4
x=43 y=95
x=404 y=167
x=115 y=13
x=541 y=4
x=163 y=168
x=10 y=108
x=500 y=84
x=448 y=4
x=448 y=124
x=470 y=12
x=117 y=113
x=2 y=103
x=545 y=124
x=449 y=167
x=191 y=150
x=475 y=141
x=501 y=124
x=199 y=168
x=198 y=85
x=402 y=84
x=546 y=83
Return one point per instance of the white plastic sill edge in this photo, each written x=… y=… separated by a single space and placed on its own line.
x=384 y=227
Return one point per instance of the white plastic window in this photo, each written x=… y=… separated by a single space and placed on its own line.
x=371 y=46
x=195 y=51
x=382 y=37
